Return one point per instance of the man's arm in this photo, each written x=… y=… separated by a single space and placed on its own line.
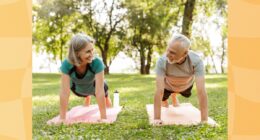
x=202 y=96
x=158 y=97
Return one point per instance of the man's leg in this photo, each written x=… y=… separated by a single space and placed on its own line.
x=165 y=103
x=166 y=95
x=175 y=101
x=187 y=92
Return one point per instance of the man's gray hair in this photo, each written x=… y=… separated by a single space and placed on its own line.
x=77 y=43
x=185 y=42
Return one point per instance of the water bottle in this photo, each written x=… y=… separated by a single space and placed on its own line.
x=116 y=99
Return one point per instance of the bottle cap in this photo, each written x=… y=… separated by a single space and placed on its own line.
x=116 y=91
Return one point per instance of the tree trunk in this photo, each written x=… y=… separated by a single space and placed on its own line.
x=187 y=17
x=207 y=66
x=214 y=65
x=149 y=59
x=61 y=50
x=223 y=56
x=61 y=43
x=61 y=53
x=104 y=57
x=142 y=61
x=211 y=54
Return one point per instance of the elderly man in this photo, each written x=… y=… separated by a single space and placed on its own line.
x=176 y=72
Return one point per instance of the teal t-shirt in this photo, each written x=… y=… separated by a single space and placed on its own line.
x=83 y=85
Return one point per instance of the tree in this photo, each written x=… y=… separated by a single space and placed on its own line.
x=215 y=12
x=149 y=25
x=52 y=26
x=222 y=6
x=187 y=17
x=203 y=45
x=223 y=47
x=104 y=21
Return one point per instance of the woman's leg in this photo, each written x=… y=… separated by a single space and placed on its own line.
x=87 y=100
x=107 y=98
x=108 y=102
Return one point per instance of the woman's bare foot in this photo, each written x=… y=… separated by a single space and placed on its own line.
x=108 y=102
x=165 y=103
x=87 y=101
x=175 y=101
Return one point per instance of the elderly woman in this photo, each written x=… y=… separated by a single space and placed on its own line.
x=83 y=74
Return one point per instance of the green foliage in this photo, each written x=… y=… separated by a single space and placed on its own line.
x=201 y=45
x=210 y=13
x=137 y=27
x=53 y=24
x=210 y=7
x=104 y=21
x=132 y=123
x=150 y=24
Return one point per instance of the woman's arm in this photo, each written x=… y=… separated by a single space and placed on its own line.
x=100 y=94
x=64 y=95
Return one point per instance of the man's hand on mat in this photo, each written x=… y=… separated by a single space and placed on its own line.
x=157 y=122
x=209 y=123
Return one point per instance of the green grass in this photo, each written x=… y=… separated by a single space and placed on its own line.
x=132 y=123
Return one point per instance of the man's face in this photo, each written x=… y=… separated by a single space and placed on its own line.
x=175 y=53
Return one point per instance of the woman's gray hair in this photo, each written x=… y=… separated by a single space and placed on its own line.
x=185 y=42
x=77 y=43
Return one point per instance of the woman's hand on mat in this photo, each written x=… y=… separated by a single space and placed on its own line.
x=157 y=122
x=61 y=121
x=104 y=121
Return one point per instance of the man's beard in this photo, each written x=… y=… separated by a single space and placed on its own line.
x=171 y=62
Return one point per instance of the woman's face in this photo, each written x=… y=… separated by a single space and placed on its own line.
x=86 y=55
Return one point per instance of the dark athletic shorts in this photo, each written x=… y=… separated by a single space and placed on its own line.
x=186 y=93
x=81 y=95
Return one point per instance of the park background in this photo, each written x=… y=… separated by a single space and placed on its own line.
x=130 y=36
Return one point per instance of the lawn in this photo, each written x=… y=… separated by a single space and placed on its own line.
x=132 y=123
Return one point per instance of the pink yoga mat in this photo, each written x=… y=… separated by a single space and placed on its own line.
x=90 y=114
x=184 y=114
